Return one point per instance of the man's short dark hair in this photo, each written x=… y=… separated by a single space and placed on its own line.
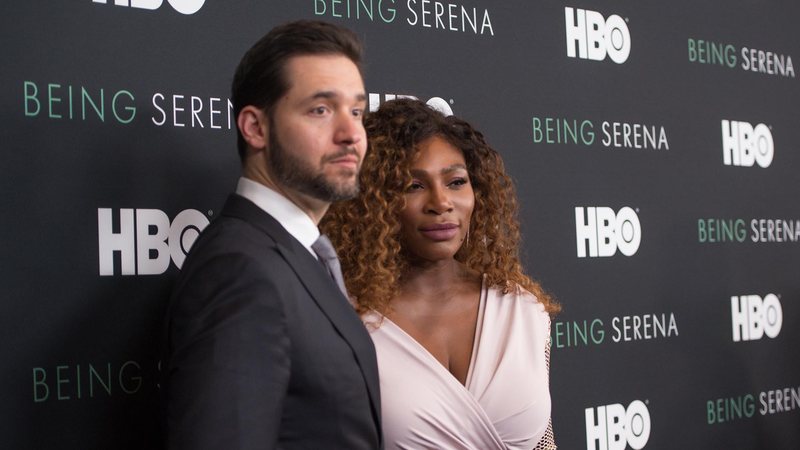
x=260 y=78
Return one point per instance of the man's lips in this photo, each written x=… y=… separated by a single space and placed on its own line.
x=345 y=160
x=343 y=156
x=439 y=231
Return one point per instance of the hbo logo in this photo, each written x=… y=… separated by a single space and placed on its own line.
x=605 y=232
x=146 y=240
x=752 y=317
x=182 y=6
x=616 y=427
x=436 y=103
x=743 y=145
x=597 y=37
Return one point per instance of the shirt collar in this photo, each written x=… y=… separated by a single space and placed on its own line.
x=289 y=215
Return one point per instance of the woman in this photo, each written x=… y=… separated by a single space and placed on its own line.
x=429 y=252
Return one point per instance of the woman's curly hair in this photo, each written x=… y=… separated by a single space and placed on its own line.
x=366 y=229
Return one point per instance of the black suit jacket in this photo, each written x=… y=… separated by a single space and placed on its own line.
x=262 y=349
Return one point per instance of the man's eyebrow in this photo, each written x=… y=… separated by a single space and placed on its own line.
x=327 y=95
x=323 y=94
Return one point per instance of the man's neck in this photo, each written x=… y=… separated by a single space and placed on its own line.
x=314 y=208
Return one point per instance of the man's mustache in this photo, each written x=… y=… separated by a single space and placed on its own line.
x=346 y=151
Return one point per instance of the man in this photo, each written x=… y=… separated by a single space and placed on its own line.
x=263 y=349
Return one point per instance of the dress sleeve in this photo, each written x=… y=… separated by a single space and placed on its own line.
x=548 y=440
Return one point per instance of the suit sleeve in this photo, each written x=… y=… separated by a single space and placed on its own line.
x=229 y=367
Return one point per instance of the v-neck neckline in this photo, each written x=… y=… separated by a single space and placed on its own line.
x=475 y=342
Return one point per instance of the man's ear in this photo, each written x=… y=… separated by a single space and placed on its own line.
x=254 y=126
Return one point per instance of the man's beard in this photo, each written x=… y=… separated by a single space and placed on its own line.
x=294 y=173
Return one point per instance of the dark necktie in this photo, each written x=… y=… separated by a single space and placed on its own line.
x=327 y=255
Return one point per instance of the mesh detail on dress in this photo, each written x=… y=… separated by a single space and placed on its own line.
x=547 y=346
x=548 y=440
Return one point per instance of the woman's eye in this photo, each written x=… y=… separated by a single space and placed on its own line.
x=415 y=186
x=458 y=182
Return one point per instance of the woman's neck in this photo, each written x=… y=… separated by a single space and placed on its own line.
x=434 y=282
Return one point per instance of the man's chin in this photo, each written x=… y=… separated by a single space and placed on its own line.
x=345 y=192
x=335 y=190
x=344 y=180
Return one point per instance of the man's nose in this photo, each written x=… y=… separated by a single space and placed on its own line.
x=349 y=129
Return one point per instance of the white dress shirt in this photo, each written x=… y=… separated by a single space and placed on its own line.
x=289 y=215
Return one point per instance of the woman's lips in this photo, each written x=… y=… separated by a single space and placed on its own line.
x=440 y=232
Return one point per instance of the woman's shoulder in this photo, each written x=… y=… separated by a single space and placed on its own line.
x=518 y=312
x=373 y=320
x=517 y=297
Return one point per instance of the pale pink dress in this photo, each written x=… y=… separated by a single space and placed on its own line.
x=505 y=403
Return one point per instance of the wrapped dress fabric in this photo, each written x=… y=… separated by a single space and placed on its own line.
x=505 y=403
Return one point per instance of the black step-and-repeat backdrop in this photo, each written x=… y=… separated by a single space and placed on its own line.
x=654 y=146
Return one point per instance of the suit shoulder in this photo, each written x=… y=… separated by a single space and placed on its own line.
x=233 y=232
x=230 y=242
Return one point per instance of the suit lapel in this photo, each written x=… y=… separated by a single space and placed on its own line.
x=322 y=288
x=334 y=305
